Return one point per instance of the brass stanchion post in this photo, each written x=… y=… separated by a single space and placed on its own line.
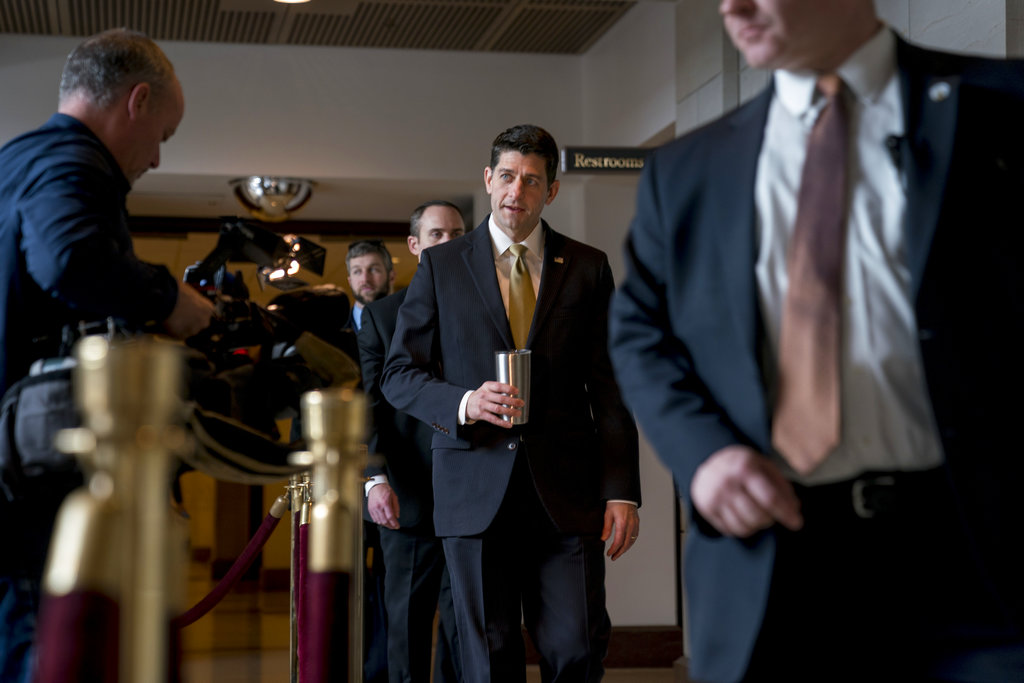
x=129 y=394
x=298 y=492
x=333 y=424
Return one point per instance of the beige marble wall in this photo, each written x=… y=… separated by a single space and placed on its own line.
x=711 y=78
x=1015 y=28
x=975 y=26
x=707 y=83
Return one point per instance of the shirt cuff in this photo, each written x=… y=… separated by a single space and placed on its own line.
x=373 y=481
x=612 y=500
x=463 y=420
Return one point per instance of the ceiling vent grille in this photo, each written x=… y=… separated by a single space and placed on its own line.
x=25 y=16
x=186 y=20
x=440 y=26
x=543 y=26
x=558 y=27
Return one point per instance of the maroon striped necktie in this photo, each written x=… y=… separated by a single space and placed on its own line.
x=806 y=424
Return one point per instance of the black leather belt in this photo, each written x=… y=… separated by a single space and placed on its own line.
x=875 y=495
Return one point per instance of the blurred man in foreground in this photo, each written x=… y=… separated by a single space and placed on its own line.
x=819 y=333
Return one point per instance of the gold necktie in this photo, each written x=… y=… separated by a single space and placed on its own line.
x=806 y=424
x=521 y=298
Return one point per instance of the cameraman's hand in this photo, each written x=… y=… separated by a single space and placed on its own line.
x=192 y=313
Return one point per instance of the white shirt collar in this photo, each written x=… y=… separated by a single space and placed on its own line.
x=501 y=242
x=866 y=73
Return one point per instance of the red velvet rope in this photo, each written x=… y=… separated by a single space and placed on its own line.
x=241 y=564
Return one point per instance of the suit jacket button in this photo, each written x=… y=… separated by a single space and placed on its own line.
x=512 y=445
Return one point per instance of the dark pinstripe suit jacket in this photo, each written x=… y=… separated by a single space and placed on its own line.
x=581 y=441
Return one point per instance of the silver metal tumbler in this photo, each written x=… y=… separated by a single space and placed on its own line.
x=513 y=367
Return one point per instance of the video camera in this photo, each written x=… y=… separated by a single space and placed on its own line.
x=239 y=321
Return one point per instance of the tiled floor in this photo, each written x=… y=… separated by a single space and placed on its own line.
x=245 y=640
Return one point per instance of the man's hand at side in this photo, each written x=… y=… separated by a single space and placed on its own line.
x=739 y=492
x=383 y=506
x=624 y=519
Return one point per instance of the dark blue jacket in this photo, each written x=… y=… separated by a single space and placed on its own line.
x=65 y=250
x=686 y=330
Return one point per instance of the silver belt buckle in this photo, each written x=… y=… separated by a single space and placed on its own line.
x=859 y=501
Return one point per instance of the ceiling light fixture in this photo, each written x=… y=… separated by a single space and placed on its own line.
x=272 y=198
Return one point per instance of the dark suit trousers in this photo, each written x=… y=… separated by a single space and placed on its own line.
x=523 y=571
x=895 y=597
x=416 y=586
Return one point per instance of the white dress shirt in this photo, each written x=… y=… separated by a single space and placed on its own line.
x=887 y=422
x=503 y=258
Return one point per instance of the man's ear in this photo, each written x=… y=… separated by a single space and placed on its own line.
x=552 y=191
x=138 y=98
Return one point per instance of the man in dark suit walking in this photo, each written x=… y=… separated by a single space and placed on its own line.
x=399 y=494
x=523 y=510
x=847 y=516
x=371 y=276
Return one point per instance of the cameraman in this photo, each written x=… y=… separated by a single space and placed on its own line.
x=66 y=256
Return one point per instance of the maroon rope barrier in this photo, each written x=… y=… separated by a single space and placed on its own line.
x=241 y=564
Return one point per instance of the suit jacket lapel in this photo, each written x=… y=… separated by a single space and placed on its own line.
x=735 y=165
x=930 y=113
x=556 y=265
x=732 y=214
x=479 y=259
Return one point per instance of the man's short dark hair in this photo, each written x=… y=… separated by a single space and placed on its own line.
x=108 y=64
x=527 y=139
x=364 y=247
x=417 y=214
